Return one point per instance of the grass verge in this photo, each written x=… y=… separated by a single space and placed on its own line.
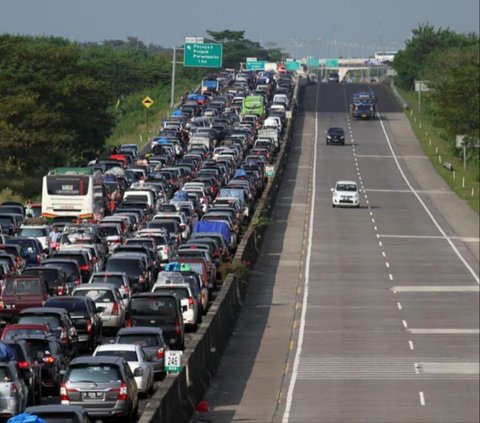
x=464 y=182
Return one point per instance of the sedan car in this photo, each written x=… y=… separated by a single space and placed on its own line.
x=335 y=136
x=136 y=358
x=345 y=194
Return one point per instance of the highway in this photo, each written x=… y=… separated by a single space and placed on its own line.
x=359 y=315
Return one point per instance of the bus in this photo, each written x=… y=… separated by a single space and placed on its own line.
x=253 y=105
x=76 y=192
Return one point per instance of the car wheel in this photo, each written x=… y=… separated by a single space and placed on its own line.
x=333 y=205
x=358 y=206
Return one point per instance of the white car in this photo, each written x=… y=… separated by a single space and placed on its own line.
x=136 y=358
x=345 y=194
x=41 y=232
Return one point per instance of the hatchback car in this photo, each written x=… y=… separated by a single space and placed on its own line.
x=136 y=359
x=345 y=194
x=151 y=340
x=104 y=386
x=335 y=136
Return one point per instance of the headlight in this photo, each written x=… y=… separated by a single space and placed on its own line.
x=329 y=137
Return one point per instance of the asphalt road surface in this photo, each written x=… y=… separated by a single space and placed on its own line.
x=357 y=315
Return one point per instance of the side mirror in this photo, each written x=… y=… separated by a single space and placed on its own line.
x=138 y=372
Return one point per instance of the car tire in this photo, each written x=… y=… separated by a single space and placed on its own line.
x=333 y=205
x=357 y=206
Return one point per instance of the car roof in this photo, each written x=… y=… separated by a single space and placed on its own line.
x=43 y=310
x=118 y=347
x=104 y=359
x=345 y=182
x=140 y=329
x=97 y=285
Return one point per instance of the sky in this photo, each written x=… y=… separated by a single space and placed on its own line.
x=316 y=28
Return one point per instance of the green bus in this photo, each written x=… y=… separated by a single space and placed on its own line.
x=253 y=105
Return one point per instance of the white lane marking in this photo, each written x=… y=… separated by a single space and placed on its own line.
x=384 y=254
x=371 y=213
x=390 y=276
x=427 y=210
x=301 y=330
x=444 y=331
x=416 y=366
x=460 y=238
x=399 y=305
x=422 y=398
x=375 y=228
x=380 y=243
x=436 y=288
x=404 y=323
x=410 y=344
x=407 y=191
x=387 y=264
x=378 y=236
x=373 y=220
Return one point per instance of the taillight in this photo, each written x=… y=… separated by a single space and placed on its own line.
x=166 y=249
x=177 y=328
x=48 y=359
x=63 y=337
x=64 y=392
x=77 y=281
x=128 y=323
x=141 y=279
x=13 y=390
x=89 y=326
x=115 y=309
x=85 y=268
x=122 y=392
x=60 y=290
x=126 y=289
x=39 y=259
x=23 y=365
x=190 y=302
x=160 y=353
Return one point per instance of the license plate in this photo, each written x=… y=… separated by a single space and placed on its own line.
x=364 y=116
x=92 y=395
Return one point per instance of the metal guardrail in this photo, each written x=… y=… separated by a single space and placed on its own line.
x=176 y=398
x=400 y=98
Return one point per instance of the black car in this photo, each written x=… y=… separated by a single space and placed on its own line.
x=335 y=136
x=86 y=319
x=134 y=266
x=53 y=363
x=55 y=277
x=59 y=321
x=28 y=368
x=59 y=413
x=71 y=267
x=158 y=310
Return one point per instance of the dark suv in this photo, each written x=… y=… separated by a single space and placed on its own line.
x=60 y=323
x=158 y=310
x=335 y=136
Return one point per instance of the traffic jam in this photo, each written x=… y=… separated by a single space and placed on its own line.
x=103 y=282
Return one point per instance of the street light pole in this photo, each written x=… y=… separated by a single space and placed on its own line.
x=174 y=61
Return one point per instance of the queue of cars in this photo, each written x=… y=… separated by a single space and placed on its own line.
x=146 y=273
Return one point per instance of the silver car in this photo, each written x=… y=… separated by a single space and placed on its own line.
x=13 y=391
x=136 y=359
x=108 y=301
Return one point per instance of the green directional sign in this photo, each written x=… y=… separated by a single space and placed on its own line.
x=313 y=62
x=332 y=63
x=255 y=65
x=292 y=65
x=202 y=55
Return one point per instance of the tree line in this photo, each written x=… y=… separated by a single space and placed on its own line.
x=58 y=97
x=449 y=62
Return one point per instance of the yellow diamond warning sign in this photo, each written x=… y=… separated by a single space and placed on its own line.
x=147 y=102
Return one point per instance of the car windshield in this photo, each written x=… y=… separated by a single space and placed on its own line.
x=110 y=230
x=94 y=373
x=142 y=340
x=181 y=293
x=51 y=320
x=11 y=334
x=97 y=295
x=127 y=355
x=147 y=306
x=69 y=304
x=38 y=345
x=347 y=187
x=116 y=280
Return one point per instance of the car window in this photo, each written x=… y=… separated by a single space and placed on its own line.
x=41 y=319
x=11 y=334
x=5 y=375
x=145 y=306
x=97 y=295
x=72 y=306
x=22 y=287
x=97 y=374
x=127 y=355
x=116 y=280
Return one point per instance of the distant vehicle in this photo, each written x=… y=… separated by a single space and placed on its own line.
x=333 y=77
x=385 y=56
x=253 y=105
x=345 y=194
x=335 y=135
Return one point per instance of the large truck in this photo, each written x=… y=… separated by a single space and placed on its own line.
x=209 y=86
x=363 y=105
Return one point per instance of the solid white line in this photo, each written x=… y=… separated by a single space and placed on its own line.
x=301 y=330
x=440 y=229
x=422 y=398
x=410 y=344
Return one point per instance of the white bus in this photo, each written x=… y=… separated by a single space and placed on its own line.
x=78 y=192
